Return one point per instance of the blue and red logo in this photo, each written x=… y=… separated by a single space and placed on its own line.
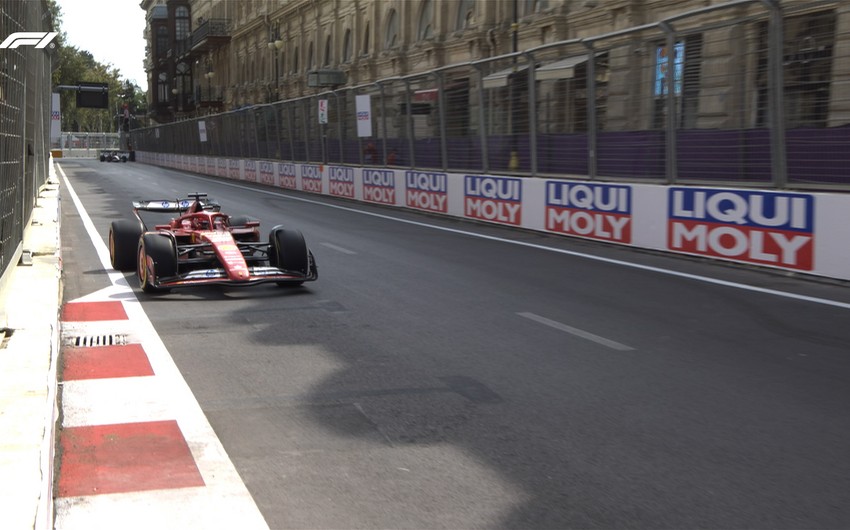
x=288 y=178
x=762 y=227
x=379 y=186
x=341 y=181
x=596 y=211
x=496 y=199
x=311 y=178
x=426 y=191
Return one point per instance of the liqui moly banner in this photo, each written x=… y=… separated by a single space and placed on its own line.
x=341 y=181
x=311 y=178
x=497 y=199
x=596 y=211
x=426 y=191
x=760 y=227
x=288 y=176
x=266 y=170
x=379 y=186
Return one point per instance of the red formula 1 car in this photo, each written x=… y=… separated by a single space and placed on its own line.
x=203 y=246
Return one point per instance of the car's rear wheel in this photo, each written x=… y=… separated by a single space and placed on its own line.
x=288 y=251
x=123 y=240
x=157 y=257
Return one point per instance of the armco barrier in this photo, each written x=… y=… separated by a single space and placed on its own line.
x=800 y=232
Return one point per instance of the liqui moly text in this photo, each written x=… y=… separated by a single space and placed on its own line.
x=596 y=211
x=759 y=227
x=497 y=199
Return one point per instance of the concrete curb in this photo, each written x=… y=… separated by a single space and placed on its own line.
x=31 y=298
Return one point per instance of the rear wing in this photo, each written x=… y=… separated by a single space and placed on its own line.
x=174 y=205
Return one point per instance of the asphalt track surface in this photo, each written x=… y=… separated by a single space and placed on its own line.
x=445 y=374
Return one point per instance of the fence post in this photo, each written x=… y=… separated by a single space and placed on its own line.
x=591 y=110
x=482 y=117
x=441 y=98
x=775 y=94
x=411 y=143
x=670 y=162
x=532 y=113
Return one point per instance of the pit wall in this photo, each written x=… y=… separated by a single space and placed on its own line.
x=800 y=232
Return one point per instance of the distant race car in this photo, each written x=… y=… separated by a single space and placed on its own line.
x=113 y=156
x=202 y=246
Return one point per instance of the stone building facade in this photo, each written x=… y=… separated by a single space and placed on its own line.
x=207 y=56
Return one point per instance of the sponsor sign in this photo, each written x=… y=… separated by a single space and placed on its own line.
x=426 y=191
x=202 y=130
x=233 y=169
x=379 y=186
x=596 y=211
x=221 y=167
x=758 y=227
x=311 y=178
x=341 y=181
x=363 y=104
x=495 y=199
x=266 y=169
x=287 y=175
x=251 y=170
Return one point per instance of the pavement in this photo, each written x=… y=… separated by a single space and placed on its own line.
x=30 y=298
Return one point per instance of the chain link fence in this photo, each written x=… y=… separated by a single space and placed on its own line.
x=25 y=105
x=750 y=92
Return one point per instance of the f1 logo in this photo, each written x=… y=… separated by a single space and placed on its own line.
x=38 y=39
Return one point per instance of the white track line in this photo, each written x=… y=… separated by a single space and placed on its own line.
x=614 y=345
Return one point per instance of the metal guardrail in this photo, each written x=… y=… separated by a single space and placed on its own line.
x=750 y=92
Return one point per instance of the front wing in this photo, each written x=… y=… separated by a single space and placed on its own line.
x=217 y=276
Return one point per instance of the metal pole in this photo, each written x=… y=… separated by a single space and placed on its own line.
x=671 y=165
x=591 y=110
x=411 y=159
x=482 y=118
x=532 y=114
x=441 y=98
x=775 y=95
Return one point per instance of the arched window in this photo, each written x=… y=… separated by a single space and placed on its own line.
x=181 y=23
x=392 y=40
x=366 y=40
x=426 y=21
x=346 y=47
x=184 y=78
x=465 y=14
x=161 y=41
x=163 y=93
x=328 y=51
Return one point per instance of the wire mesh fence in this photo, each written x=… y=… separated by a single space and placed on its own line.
x=25 y=112
x=750 y=92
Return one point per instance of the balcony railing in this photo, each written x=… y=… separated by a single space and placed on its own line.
x=211 y=34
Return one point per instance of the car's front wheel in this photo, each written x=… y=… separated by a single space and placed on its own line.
x=123 y=239
x=157 y=257
x=288 y=251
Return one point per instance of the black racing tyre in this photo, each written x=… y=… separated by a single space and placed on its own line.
x=240 y=220
x=123 y=158
x=288 y=251
x=102 y=158
x=123 y=240
x=163 y=252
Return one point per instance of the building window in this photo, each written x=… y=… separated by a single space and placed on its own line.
x=161 y=41
x=392 y=30
x=295 y=60
x=685 y=61
x=310 y=57
x=328 y=51
x=346 y=47
x=426 y=20
x=535 y=6
x=163 y=93
x=807 y=67
x=465 y=14
x=181 y=30
x=366 y=41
